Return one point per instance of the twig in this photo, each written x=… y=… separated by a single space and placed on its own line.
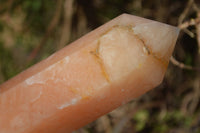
x=50 y=29
x=191 y=22
x=198 y=31
x=185 y=12
x=195 y=7
x=191 y=100
x=68 y=12
x=82 y=23
x=196 y=96
x=191 y=34
x=186 y=24
x=185 y=102
x=179 y=64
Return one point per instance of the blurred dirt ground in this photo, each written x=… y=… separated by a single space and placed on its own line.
x=31 y=30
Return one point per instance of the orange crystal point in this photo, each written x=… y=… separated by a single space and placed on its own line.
x=109 y=66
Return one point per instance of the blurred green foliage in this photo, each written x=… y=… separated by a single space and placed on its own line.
x=141 y=118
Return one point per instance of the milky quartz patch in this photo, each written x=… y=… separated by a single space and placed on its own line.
x=151 y=33
x=104 y=69
x=117 y=47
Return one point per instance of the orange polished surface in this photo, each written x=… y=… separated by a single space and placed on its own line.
x=106 y=68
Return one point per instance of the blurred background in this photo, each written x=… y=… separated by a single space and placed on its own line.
x=31 y=30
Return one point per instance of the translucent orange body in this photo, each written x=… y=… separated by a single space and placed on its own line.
x=106 y=68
